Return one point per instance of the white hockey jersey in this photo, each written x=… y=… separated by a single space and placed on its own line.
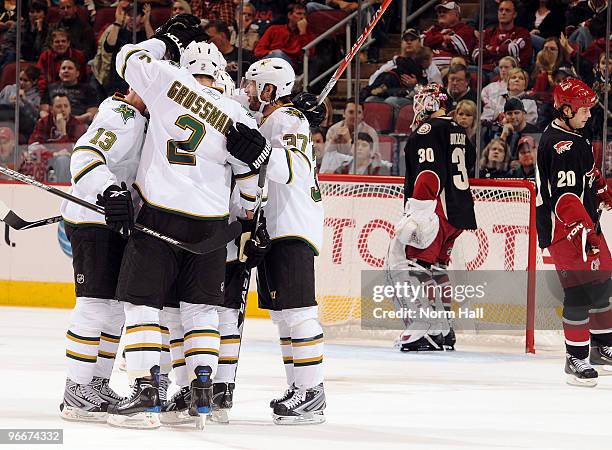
x=185 y=167
x=108 y=153
x=294 y=208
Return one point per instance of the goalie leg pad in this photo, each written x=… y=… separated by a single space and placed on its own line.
x=419 y=224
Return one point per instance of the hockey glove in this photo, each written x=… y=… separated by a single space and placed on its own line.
x=583 y=238
x=177 y=40
x=178 y=22
x=252 y=251
x=248 y=145
x=419 y=225
x=306 y=103
x=603 y=193
x=118 y=208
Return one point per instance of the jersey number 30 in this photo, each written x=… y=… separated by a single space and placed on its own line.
x=183 y=152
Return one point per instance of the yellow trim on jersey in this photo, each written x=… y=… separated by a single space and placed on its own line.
x=299 y=238
x=75 y=338
x=87 y=148
x=202 y=334
x=87 y=358
x=85 y=170
x=106 y=354
x=289 y=166
x=138 y=328
x=308 y=343
x=250 y=198
x=114 y=340
x=143 y=345
x=245 y=176
x=127 y=56
x=303 y=155
x=85 y=224
x=177 y=211
x=230 y=341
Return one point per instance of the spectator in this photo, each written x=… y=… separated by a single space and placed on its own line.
x=368 y=162
x=494 y=161
x=286 y=41
x=526 y=158
x=424 y=58
x=555 y=45
x=514 y=125
x=542 y=76
x=7 y=147
x=590 y=19
x=250 y=33
x=113 y=38
x=465 y=115
x=29 y=100
x=33 y=36
x=180 y=7
x=506 y=39
x=396 y=84
x=81 y=33
x=601 y=87
x=83 y=98
x=490 y=16
x=544 y=19
x=59 y=126
x=449 y=36
x=328 y=5
x=8 y=15
x=51 y=59
x=219 y=35
x=496 y=88
x=339 y=138
x=458 y=86
x=270 y=12
x=515 y=88
x=213 y=10
x=318 y=145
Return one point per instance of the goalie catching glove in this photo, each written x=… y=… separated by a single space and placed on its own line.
x=118 y=208
x=252 y=251
x=178 y=32
x=248 y=145
x=419 y=225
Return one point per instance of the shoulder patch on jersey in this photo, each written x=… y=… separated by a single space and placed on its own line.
x=424 y=129
x=214 y=93
x=562 y=146
x=126 y=112
x=293 y=112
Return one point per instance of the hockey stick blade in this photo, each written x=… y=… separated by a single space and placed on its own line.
x=17 y=223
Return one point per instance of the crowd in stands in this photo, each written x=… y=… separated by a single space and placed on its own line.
x=68 y=50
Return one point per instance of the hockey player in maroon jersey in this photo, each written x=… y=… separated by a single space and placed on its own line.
x=439 y=206
x=570 y=190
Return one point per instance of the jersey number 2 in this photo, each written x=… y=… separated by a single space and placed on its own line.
x=183 y=152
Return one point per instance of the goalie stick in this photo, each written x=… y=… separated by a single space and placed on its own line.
x=17 y=223
x=215 y=242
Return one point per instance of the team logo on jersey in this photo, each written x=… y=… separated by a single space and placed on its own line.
x=126 y=112
x=80 y=278
x=424 y=129
x=293 y=112
x=562 y=146
x=595 y=264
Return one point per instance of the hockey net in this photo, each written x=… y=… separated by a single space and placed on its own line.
x=360 y=213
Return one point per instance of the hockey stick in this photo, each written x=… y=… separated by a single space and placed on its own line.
x=17 y=223
x=351 y=54
x=215 y=242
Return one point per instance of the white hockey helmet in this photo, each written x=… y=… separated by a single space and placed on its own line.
x=224 y=81
x=203 y=58
x=274 y=71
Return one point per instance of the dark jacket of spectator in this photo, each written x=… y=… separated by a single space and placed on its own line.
x=114 y=83
x=81 y=35
x=222 y=10
x=49 y=64
x=34 y=41
x=81 y=96
x=551 y=26
x=583 y=11
x=497 y=44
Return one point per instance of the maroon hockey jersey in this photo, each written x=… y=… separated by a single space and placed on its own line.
x=461 y=42
x=497 y=44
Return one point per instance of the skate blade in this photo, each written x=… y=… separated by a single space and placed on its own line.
x=72 y=414
x=581 y=382
x=219 y=416
x=304 y=419
x=172 y=418
x=139 y=421
x=200 y=422
x=603 y=370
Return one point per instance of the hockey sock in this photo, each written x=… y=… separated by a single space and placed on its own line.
x=230 y=345
x=83 y=337
x=601 y=314
x=165 y=361
x=576 y=321
x=143 y=340
x=172 y=318
x=201 y=341
x=284 y=333
x=307 y=346
x=109 y=340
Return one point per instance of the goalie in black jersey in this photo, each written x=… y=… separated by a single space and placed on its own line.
x=570 y=190
x=438 y=207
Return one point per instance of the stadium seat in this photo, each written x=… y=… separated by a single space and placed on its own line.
x=159 y=16
x=386 y=147
x=8 y=73
x=404 y=120
x=104 y=17
x=378 y=115
x=321 y=21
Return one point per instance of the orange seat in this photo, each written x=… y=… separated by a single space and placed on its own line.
x=8 y=73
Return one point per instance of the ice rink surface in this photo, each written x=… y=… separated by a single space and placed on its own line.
x=474 y=398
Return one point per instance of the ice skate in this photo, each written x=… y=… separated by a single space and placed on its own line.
x=222 y=402
x=175 y=410
x=104 y=391
x=164 y=384
x=449 y=340
x=82 y=404
x=601 y=359
x=580 y=372
x=427 y=343
x=286 y=396
x=141 y=408
x=304 y=407
x=201 y=396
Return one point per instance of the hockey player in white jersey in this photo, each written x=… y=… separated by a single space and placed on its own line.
x=294 y=214
x=104 y=161
x=184 y=182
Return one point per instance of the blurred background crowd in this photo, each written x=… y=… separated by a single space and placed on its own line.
x=57 y=60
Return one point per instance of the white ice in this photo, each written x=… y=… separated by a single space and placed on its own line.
x=474 y=398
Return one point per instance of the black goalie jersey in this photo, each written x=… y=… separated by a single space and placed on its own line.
x=438 y=154
x=565 y=173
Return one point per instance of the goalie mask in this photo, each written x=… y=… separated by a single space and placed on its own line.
x=274 y=71
x=428 y=99
x=203 y=58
